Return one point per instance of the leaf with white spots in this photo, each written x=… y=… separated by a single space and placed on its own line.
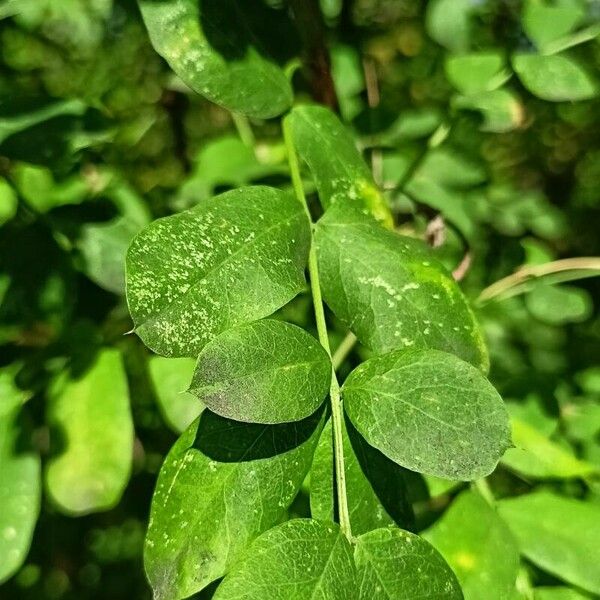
x=430 y=412
x=171 y=378
x=214 y=48
x=222 y=484
x=478 y=546
x=376 y=487
x=92 y=415
x=340 y=173
x=390 y=291
x=302 y=559
x=231 y=260
x=265 y=372
x=20 y=480
x=397 y=565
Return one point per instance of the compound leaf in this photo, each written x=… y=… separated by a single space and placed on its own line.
x=430 y=412
x=222 y=484
x=390 y=291
x=233 y=259
x=92 y=414
x=265 y=372
x=213 y=48
x=302 y=559
x=397 y=565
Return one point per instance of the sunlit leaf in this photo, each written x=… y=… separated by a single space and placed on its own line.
x=264 y=372
x=20 y=480
x=430 y=412
x=213 y=48
x=559 y=535
x=302 y=559
x=231 y=260
x=91 y=419
x=397 y=565
x=171 y=378
x=449 y=23
x=340 y=173
x=222 y=484
x=390 y=291
x=556 y=78
x=477 y=72
x=478 y=546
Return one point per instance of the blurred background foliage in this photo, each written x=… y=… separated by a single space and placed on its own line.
x=480 y=119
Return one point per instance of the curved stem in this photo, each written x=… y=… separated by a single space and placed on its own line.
x=337 y=415
x=342 y=351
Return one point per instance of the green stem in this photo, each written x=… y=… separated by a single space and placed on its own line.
x=243 y=128
x=483 y=487
x=342 y=351
x=337 y=415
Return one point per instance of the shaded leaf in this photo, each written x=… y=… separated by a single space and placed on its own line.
x=376 y=486
x=556 y=78
x=222 y=484
x=557 y=593
x=390 y=291
x=430 y=412
x=91 y=420
x=340 y=173
x=501 y=110
x=265 y=372
x=213 y=48
x=559 y=535
x=559 y=304
x=448 y=22
x=397 y=565
x=20 y=480
x=231 y=260
x=478 y=546
x=171 y=378
x=302 y=559
x=8 y=201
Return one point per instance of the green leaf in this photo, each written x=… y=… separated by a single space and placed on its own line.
x=390 y=291
x=476 y=72
x=302 y=559
x=397 y=565
x=20 y=480
x=478 y=546
x=91 y=415
x=556 y=78
x=8 y=201
x=536 y=456
x=448 y=22
x=502 y=110
x=171 y=378
x=14 y=123
x=340 y=173
x=558 y=593
x=104 y=245
x=376 y=486
x=558 y=305
x=559 y=535
x=430 y=412
x=231 y=260
x=222 y=484
x=545 y=23
x=213 y=48
x=265 y=372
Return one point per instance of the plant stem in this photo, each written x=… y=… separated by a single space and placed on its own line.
x=345 y=347
x=243 y=128
x=337 y=415
x=483 y=487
